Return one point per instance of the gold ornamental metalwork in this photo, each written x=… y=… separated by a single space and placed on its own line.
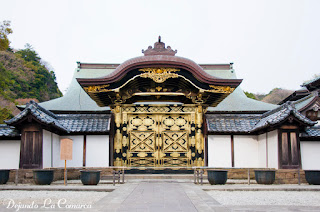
x=97 y=88
x=221 y=89
x=159 y=75
x=158 y=136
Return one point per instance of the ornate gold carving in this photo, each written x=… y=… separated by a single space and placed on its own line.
x=142 y=154
x=159 y=75
x=175 y=141
x=142 y=141
x=221 y=89
x=158 y=109
x=97 y=88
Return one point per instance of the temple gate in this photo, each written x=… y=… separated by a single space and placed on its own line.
x=148 y=131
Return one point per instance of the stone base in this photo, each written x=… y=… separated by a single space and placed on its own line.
x=283 y=176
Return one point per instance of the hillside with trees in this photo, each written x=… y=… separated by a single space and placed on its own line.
x=23 y=76
x=275 y=96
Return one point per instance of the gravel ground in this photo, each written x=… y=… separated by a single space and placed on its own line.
x=50 y=198
x=296 y=198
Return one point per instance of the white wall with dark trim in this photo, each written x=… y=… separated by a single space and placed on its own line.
x=97 y=151
x=310 y=155
x=10 y=154
x=219 y=151
x=246 y=151
x=273 y=158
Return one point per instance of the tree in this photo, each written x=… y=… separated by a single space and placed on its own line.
x=28 y=54
x=5 y=30
x=250 y=95
x=5 y=114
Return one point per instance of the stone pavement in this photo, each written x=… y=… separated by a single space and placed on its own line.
x=159 y=196
x=173 y=195
x=176 y=195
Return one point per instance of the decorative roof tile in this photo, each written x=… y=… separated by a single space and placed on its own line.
x=38 y=112
x=237 y=123
x=85 y=122
x=248 y=123
x=281 y=114
x=8 y=131
x=65 y=122
x=311 y=132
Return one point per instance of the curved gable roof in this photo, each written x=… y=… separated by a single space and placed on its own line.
x=159 y=60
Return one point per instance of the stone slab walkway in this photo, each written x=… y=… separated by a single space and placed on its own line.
x=174 y=195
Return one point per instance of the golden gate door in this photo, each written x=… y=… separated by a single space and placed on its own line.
x=143 y=148
x=174 y=140
x=158 y=136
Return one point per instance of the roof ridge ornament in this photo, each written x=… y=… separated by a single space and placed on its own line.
x=159 y=49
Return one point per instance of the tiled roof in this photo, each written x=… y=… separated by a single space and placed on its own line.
x=222 y=123
x=65 y=122
x=281 y=114
x=304 y=102
x=245 y=123
x=231 y=122
x=311 y=132
x=85 y=122
x=41 y=114
x=7 y=131
x=311 y=81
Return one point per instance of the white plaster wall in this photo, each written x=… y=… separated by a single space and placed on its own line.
x=310 y=155
x=273 y=161
x=10 y=154
x=56 y=162
x=246 y=151
x=46 y=149
x=219 y=151
x=97 y=151
x=77 y=152
x=262 y=150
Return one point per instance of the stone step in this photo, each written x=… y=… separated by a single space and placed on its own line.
x=159 y=176
x=179 y=177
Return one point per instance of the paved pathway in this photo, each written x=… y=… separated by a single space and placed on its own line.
x=159 y=196
x=167 y=196
x=178 y=195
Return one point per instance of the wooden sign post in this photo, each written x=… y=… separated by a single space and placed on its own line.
x=65 y=154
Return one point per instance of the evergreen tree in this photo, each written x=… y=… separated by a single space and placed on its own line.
x=5 y=30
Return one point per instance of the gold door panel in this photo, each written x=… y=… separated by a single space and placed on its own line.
x=175 y=148
x=175 y=141
x=142 y=141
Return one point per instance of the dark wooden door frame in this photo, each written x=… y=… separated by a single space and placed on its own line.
x=26 y=157
x=288 y=132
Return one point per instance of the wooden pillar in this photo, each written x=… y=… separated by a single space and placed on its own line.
x=84 y=150
x=232 y=151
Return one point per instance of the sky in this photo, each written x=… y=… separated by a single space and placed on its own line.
x=272 y=43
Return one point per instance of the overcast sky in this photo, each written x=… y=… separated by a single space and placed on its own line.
x=272 y=43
